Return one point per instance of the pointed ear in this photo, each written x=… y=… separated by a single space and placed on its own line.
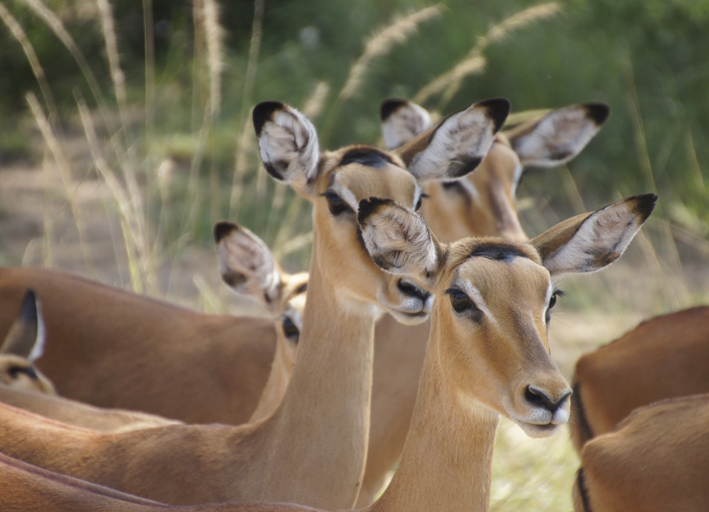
x=591 y=241
x=288 y=143
x=559 y=136
x=398 y=240
x=27 y=333
x=458 y=144
x=246 y=263
x=402 y=121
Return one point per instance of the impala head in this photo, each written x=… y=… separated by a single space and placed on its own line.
x=495 y=296
x=483 y=203
x=23 y=345
x=248 y=267
x=335 y=182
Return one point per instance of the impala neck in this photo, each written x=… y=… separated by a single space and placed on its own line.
x=323 y=421
x=446 y=463
x=276 y=384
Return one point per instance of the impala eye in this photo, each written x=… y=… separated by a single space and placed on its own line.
x=462 y=304
x=290 y=329
x=552 y=302
x=420 y=201
x=336 y=204
x=15 y=371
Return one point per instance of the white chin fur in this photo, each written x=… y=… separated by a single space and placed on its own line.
x=537 y=430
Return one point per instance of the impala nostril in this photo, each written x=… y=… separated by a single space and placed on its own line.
x=539 y=398
x=412 y=290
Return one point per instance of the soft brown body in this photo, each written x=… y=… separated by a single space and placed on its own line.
x=664 y=357
x=311 y=450
x=112 y=348
x=657 y=459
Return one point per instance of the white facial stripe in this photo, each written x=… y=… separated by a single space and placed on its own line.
x=476 y=296
x=550 y=291
x=470 y=188
x=346 y=195
x=417 y=195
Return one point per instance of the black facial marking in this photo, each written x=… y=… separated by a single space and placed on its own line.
x=455 y=187
x=370 y=157
x=14 y=371
x=498 y=252
x=462 y=165
x=368 y=207
x=263 y=113
x=583 y=492
x=389 y=107
x=599 y=112
x=302 y=288
x=222 y=230
x=270 y=169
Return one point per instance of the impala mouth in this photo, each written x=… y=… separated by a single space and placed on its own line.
x=537 y=430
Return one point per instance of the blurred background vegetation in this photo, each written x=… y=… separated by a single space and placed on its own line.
x=190 y=83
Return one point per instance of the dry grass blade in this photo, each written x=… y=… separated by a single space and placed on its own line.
x=54 y=23
x=214 y=35
x=63 y=166
x=37 y=70
x=109 y=35
x=380 y=43
x=312 y=108
x=450 y=82
x=137 y=247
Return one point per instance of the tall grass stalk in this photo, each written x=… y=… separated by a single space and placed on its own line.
x=450 y=82
x=214 y=35
x=133 y=222
x=19 y=34
x=378 y=45
x=64 y=172
x=313 y=106
x=56 y=25
x=117 y=77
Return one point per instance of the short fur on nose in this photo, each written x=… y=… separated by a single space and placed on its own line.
x=539 y=398
x=412 y=290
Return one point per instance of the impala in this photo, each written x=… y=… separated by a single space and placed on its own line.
x=483 y=203
x=23 y=345
x=132 y=352
x=655 y=460
x=488 y=354
x=312 y=449
x=664 y=357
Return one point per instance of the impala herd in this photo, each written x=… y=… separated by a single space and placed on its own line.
x=425 y=321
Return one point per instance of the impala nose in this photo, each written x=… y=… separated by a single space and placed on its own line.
x=412 y=290
x=540 y=398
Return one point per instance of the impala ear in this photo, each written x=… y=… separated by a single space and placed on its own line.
x=559 y=136
x=402 y=121
x=288 y=144
x=458 y=144
x=27 y=334
x=246 y=263
x=591 y=241
x=397 y=239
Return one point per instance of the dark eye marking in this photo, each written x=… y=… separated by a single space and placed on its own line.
x=420 y=201
x=15 y=371
x=301 y=289
x=290 y=329
x=552 y=302
x=336 y=204
x=370 y=157
x=464 y=305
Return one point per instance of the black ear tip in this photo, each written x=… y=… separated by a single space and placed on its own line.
x=223 y=229
x=598 y=111
x=263 y=112
x=368 y=207
x=498 y=109
x=389 y=106
x=28 y=310
x=645 y=204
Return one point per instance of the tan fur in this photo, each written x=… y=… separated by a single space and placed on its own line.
x=656 y=460
x=311 y=450
x=664 y=357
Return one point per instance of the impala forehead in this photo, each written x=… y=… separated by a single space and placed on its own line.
x=511 y=282
x=355 y=182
